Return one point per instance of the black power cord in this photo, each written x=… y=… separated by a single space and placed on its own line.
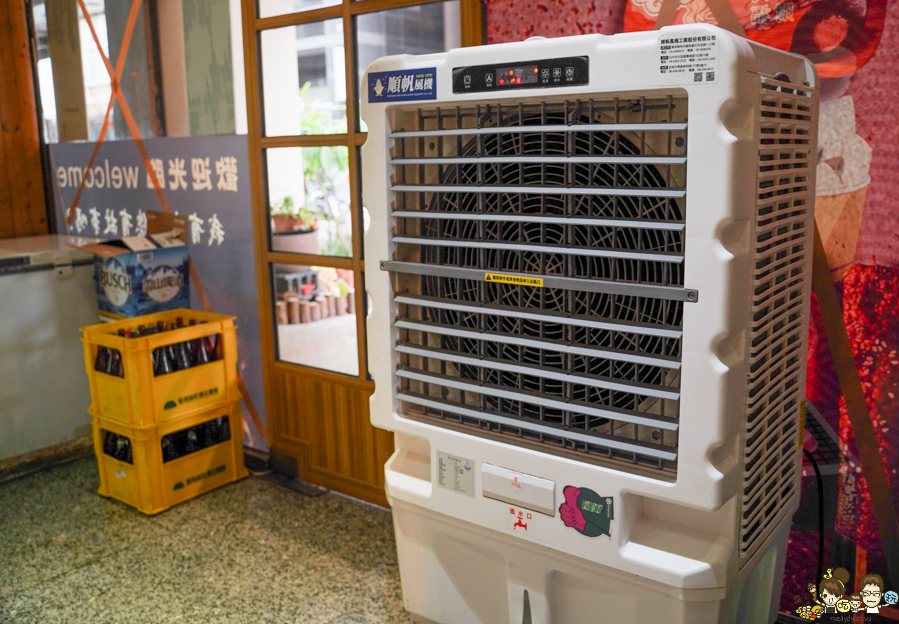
x=814 y=464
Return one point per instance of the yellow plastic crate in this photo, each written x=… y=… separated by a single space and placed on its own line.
x=141 y=399
x=151 y=484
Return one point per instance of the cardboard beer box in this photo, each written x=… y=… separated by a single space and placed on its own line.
x=139 y=275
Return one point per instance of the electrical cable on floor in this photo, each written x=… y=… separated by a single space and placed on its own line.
x=820 y=482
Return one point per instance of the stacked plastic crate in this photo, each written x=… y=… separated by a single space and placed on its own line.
x=166 y=420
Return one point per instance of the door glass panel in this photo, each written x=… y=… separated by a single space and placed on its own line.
x=423 y=29
x=315 y=311
x=304 y=79
x=309 y=200
x=270 y=8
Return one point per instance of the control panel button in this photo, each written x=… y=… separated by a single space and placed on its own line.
x=546 y=73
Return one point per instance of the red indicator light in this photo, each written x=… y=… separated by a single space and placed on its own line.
x=502 y=81
x=535 y=70
x=510 y=72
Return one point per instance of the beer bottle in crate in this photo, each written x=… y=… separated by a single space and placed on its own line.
x=210 y=433
x=192 y=443
x=115 y=364
x=169 y=449
x=163 y=364
x=101 y=363
x=170 y=349
x=213 y=347
x=202 y=355
x=109 y=443
x=223 y=428
x=181 y=356
x=123 y=449
x=190 y=346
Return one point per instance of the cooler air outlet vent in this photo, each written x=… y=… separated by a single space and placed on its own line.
x=539 y=254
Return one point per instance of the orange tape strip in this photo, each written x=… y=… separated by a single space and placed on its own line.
x=138 y=141
x=120 y=65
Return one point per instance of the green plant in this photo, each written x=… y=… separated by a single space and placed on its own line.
x=287 y=208
x=323 y=168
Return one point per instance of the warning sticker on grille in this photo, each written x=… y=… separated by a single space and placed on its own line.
x=689 y=60
x=455 y=473
x=517 y=280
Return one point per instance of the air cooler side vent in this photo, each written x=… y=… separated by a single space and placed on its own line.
x=777 y=337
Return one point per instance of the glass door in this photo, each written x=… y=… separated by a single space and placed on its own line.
x=304 y=63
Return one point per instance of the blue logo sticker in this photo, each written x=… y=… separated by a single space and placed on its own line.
x=403 y=85
x=169 y=405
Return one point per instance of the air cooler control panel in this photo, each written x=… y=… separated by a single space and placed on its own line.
x=546 y=73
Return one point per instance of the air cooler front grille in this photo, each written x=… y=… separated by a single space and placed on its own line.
x=782 y=247
x=538 y=272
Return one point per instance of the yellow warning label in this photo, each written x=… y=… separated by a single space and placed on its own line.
x=514 y=279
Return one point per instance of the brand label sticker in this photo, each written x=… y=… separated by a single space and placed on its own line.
x=689 y=60
x=116 y=282
x=455 y=473
x=517 y=280
x=521 y=522
x=163 y=284
x=193 y=397
x=587 y=512
x=402 y=85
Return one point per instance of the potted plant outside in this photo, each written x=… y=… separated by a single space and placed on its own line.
x=294 y=228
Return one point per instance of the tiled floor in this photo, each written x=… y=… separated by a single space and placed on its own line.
x=249 y=552
x=329 y=344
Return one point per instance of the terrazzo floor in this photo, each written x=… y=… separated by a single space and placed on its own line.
x=252 y=551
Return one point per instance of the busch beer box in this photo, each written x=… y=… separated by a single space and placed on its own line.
x=139 y=275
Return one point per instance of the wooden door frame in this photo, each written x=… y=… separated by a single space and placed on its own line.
x=362 y=472
x=23 y=199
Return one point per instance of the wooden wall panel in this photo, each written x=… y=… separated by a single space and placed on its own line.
x=324 y=422
x=23 y=210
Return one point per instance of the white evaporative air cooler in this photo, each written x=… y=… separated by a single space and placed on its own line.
x=589 y=262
